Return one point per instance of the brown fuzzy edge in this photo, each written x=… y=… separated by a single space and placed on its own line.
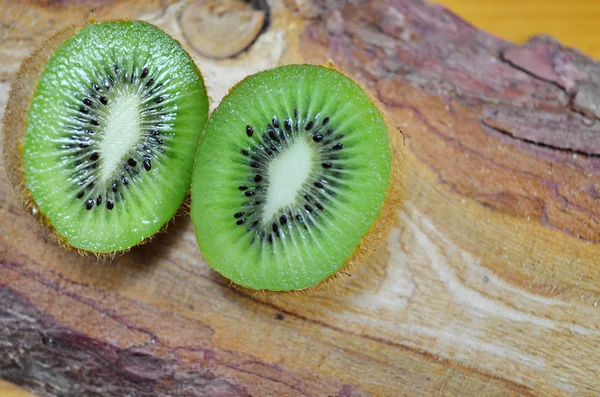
x=14 y=128
x=380 y=228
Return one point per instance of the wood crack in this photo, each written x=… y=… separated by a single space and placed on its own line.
x=509 y=133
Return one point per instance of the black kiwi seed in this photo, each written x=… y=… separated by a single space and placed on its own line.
x=238 y=214
x=257 y=178
x=87 y=101
x=242 y=187
x=249 y=130
x=155 y=132
x=308 y=208
x=99 y=200
x=325 y=120
x=272 y=134
x=144 y=72
x=96 y=87
x=89 y=204
x=240 y=221
x=103 y=100
x=283 y=219
x=110 y=204
x=319 y=206
x=80 y=194
x=84 y=110
x=244 y=152
x=131 y=161
x=287 y=124
x=114 y=187
x=337 y=146
x=276 y=228
x=124 y=180
x=309 y=125
x=150 y=82
x=249 y=193
x=326 y=165
x=94 y=122
x=275 y=122
x=147 y=164
x=159 y=99
x=317 y=137
x=255 y=164
x=299 y=218
x=94 y=156
x=318 y=184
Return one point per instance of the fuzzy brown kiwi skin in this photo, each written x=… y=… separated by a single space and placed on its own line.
x=14 y=127
x=380 y=228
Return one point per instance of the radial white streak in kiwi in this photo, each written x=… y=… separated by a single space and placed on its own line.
x=121 y=133
x=287 y=174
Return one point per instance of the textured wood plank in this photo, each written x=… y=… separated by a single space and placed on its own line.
x=487 y=286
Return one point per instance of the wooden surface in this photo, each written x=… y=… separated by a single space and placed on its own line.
x=488 y=286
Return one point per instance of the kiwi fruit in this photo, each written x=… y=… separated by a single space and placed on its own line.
x=101 y=131
x=297 y=177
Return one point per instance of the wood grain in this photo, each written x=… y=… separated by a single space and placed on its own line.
x=487 y=286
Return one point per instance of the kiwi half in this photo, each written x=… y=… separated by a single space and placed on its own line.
x=101 y=131
x=294 y=168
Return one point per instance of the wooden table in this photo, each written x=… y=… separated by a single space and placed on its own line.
x=488 y=286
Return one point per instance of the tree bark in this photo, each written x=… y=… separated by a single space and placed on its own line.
x=487 y=285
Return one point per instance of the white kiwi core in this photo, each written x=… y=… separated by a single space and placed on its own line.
x=121 y=133
x=287 y=173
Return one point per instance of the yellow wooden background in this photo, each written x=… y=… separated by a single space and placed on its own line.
x=573 y=22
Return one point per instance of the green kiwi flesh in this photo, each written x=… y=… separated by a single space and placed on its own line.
x=111 y=134
x=291 y=173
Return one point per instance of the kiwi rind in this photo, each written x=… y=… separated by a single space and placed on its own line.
x=14 y=128
x=379 y=230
